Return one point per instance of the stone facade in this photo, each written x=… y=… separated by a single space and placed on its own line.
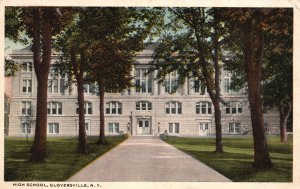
x=146 y=110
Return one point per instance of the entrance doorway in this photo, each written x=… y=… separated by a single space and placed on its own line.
x=204 y=128
x=144 y=126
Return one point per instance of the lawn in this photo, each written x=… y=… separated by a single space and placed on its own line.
x=235 y=162
x=62 y=162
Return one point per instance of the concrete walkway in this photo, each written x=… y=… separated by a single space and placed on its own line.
x=147 y=159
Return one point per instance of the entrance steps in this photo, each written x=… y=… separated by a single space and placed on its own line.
x=144 y=137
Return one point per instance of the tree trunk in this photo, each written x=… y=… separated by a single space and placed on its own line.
x=38 y=150
x=82 y=141
x=216 y=97
x=101 y=140
x=284 y=114
x=213 y=84
x=82 y=146
x=253 y=63
x=219 y=143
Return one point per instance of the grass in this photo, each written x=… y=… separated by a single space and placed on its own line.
x=235 y=162
x=62 y=162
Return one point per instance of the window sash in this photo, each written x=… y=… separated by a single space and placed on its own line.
x=88 y=108
x=234 y=108
x=53 y=128
x=113 y=127
x=203 y=108
x=54 y=108
x=235 y=128
x=170 y=127
x=26 y=108
x=173 y=107
x=174 y=128
x=226 y=85
x=25 y=128
x=27 y=66
x=27 y=84
x=143 y=82
x=114 y=108
x=56 y=86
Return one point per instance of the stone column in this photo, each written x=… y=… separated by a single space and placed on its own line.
x=162 y=89
x=185 y=87
x=132 y=89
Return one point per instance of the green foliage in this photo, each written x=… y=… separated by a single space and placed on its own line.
x=191 y=44
x=277 y=26
x=235 y=162
x=278 y=69
x=104 y=41
x=62 y=163
x=14 y=24
x=11 y=67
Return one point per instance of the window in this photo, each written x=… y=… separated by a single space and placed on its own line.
x=199 y=87
x=113 y=127
x=266 y=127
x=234 y=108
x=27 y=85
x=87 y=127
x=88 y=108
x=171 y=82
x=54 y=108
x=226 y=85
x=90 y=88
x=113 y=108
x=56 y=86
x=173 y=127
x=25 y=128
x=26 y=67
x=226 y=73
x=234 y=128
x=53 y=128
x=143 y=82
x=203 y=108
x=143 y=105
x=26 y=108
x=173 y=107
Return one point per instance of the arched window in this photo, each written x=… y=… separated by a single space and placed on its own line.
x=173 y=107
x=234 y=108
x=113 y=108
x=88 y=108
x=203 y=108
x=54 y=108
x=143 y=105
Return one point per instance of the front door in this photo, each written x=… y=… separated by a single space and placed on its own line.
x=204 y=128
x=144 y=126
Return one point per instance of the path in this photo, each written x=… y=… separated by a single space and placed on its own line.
x=147 y=159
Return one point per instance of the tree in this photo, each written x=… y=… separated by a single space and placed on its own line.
x=73 y=44
x=278 y=79
x=251 y=27
x=192 y=46
x=39 y=24
x=118 y=34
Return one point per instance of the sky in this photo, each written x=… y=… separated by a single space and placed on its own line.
x=10 y=45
